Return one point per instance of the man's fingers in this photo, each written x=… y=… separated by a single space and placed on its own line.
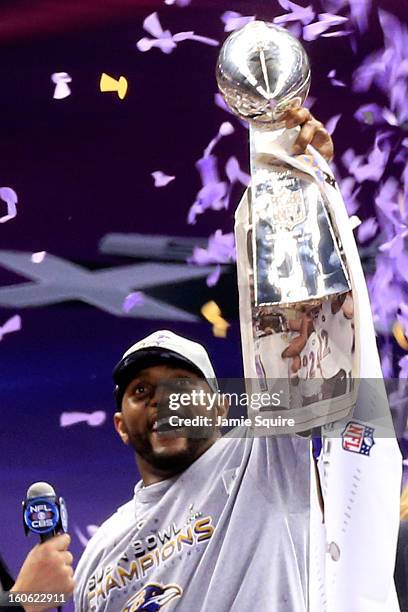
x=305 y=136
x=314 y=133
x=297 y=116
x=60 y=542
x=322 y=142
x=67 y=557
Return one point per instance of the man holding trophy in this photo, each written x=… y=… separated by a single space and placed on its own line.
x=247 y=522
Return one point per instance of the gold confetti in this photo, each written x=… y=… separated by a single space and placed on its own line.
x=400 y=336
x=108 y=83
x=212 y=313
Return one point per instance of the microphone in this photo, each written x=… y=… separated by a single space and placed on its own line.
x=43 y=513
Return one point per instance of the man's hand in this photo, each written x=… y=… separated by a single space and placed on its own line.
x=312 y=132
x=47 y=569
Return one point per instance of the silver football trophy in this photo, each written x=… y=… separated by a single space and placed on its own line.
x=296 y=307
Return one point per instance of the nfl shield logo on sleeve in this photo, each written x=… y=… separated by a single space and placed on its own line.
x=358 y=438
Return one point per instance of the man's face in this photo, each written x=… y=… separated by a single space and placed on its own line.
x=137 y=423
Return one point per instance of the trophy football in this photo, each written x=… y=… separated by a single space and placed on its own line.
x=296 y=306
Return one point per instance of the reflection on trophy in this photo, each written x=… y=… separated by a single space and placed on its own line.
x=293 y=279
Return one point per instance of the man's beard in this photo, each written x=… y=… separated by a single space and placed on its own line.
x=172 y=462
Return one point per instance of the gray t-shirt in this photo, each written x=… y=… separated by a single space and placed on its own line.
x=229 y=534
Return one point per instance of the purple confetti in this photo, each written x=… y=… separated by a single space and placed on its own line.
x=94 y=419
x=297 y=13
x=376 y=161
x=235 y=174
x=334 y=81
x=350 y=194
x=395 y=34
x=133 y=299
x=386 y=200
x=207 y=168
x=213 y=278
x=370 y=114
x=226 y=129
x=62 y=89
x=220 y=102
x=359 y=11
x=386 y=68
x=371 y=167
x=234 y=21
x=9 y=196
x=214 y=193
x=164 y=39
x=337 y=34
x=221 y=249
x=370 y=70
x=331 y=123
x=367 y=229
x=309 y=102
x=11 y=325
x=380 y=285
x=389 y=116
x=161 y=179
x=326 y=21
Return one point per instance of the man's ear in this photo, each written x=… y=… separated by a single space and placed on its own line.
x=222 y=405
x=120 y=427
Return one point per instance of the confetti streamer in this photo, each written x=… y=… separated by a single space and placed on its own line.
x=213 y=278
x=164 y=39
x=304 y=15
x=235 y=174
x=370 y=114
x=233 y=20
x=133 y=299
x=62 y=89
x=9 y=196
x=371 y=166
x=326 y=21
x=221 y=249
x=367 y=229
x=359 y=11
x=161 y=179
x=331 y=123
x=225 y=129
x=334 y=81
x=38 y=257
x=11 y=325
x=214 y=193
x=212 y=313
x=93 y=419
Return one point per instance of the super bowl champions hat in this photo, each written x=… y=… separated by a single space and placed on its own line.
x=162 y=346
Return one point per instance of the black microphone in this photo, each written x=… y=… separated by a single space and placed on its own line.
x=43 y=513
